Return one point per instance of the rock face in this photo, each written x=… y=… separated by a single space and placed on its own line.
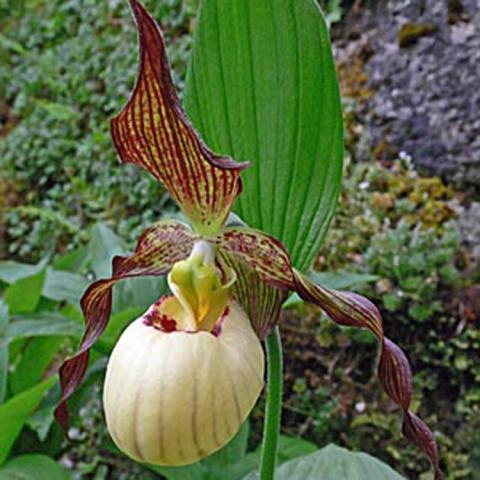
x=425 y=74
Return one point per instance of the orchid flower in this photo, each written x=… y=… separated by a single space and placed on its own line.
x=186 y=374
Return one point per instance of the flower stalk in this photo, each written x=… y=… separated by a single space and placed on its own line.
x=273 y=411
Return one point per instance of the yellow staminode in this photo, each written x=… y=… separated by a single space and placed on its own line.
x=199 y=295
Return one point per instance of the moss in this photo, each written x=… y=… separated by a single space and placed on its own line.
x=353 y=80
x=385 y=151
x=411 y=32
x=352 y=75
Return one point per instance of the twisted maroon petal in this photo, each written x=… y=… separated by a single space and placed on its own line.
x=270 y=260
x=417 y=431
x=158 y=248
x=394 y=369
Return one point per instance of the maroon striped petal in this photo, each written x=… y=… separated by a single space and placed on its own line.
x=417 y=431
x=270 y=260
x=159 y=247
x=153 y=132
x=261 y=302
x=266 y=255
x=394 y=369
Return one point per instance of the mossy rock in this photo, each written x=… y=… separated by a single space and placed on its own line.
x=410 y=33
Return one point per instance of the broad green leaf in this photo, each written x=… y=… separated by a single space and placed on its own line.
x=16 y=411
x=33 y=361
x=104 y=245
x=333 y=463
x=64 y=286
x=293 y=447
x=288 y=448
x=261 y=86
x=23 y=295
x=11 y=272
x=33 y=467
x=72 y=261
x=233 y=462
x=41 y=421
x=41 y=324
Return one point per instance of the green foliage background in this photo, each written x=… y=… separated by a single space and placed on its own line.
x=65 y=68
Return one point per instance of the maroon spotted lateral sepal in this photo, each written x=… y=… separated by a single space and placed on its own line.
x=158 y=249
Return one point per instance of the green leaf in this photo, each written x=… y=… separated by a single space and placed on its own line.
x=16 y=411
x=41 y=324
x=33 y=467
x=23 y=295
x=104 y=245
x=33 y=362
x=293 y=447
x=11 y=272
x=261 y=86
x=333 y=463
x=72 y=261
x=42 y=420
x=288 y=448
x=64 y=286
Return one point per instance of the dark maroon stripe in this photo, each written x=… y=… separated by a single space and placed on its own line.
x=160 y=142
x=126 y=128
x=192 y=163
x=204 y=178
x=173 y=149
x=154 y=168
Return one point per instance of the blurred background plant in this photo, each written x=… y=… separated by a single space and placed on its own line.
x=66 y=207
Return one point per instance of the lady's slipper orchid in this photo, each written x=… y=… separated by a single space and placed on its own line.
x=185 y=375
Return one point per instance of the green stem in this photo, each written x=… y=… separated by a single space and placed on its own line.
x=273 y=412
